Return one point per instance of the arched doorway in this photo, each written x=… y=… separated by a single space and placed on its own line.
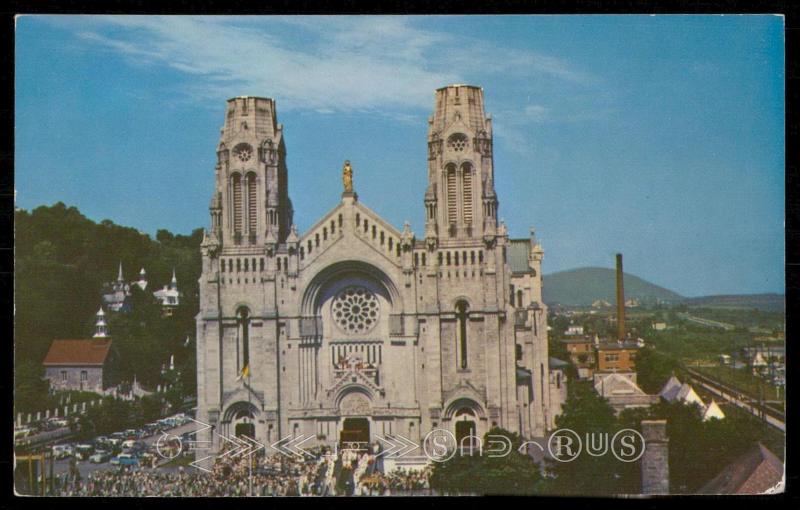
x=355 y=407
x=466 y=429
x=245 y=424
x=240 y=420
x=355 y=431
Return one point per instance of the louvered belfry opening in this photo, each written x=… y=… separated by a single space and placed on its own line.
x=452 y=195
x=237 y=204
x=252 y=204
x=467 y=185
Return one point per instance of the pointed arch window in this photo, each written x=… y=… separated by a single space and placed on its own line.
x=236 y=186
x=252 y=204
x=462 y=315
x=452 y=194
x=466 y=184
x=243 y=320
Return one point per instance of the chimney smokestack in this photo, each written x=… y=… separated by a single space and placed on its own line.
x=620 y=301
x=655 y=460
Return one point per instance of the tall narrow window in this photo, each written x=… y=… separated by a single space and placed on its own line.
x=243 y=317
x=452 y=195
x=462 y=313
x=237 y=204
x=252 y=204
x=466 y=182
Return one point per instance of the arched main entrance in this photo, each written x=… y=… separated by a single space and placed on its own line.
x=466 y=428
x=355 y=407
x=241 y=419
x=468 y=422
x=355 y=430
x=245 y=424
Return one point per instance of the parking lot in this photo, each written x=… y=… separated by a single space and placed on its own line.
x=147 y=447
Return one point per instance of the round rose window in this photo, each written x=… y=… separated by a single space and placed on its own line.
x=355 y=309
x=243 y=152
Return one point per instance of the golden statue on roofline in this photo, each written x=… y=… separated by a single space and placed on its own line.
x=347 y=177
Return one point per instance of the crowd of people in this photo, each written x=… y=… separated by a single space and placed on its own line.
x=327 y=474
x=399 y=482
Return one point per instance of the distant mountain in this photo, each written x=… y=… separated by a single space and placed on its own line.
x=585 y=285
x=766 y=302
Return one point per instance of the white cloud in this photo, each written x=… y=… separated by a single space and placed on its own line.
x=316 y=63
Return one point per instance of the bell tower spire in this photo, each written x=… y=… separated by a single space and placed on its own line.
x=460 y=201
x=100 y=328
x=251 y=196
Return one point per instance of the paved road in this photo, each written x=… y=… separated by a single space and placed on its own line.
x=740 y=401
x=85 y=467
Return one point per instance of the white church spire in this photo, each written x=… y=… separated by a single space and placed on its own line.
x=101 y=328
x=119 y=275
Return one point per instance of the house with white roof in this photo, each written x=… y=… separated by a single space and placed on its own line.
x=621 y=391
x=713 y=411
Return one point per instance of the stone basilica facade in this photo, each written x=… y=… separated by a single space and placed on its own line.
x=355 y=328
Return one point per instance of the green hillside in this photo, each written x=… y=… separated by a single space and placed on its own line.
x=62 y=259
x=584 y=285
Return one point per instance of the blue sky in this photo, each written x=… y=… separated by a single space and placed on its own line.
x=661 y=137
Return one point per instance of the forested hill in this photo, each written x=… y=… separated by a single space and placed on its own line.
x=585 y=285
x=62 y=260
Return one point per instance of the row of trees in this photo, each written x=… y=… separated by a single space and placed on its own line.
x=698 y=450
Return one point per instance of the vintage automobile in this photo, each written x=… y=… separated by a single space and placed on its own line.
x=83 y=451
x=125 y=459
x=99 y=457
x=63 y=451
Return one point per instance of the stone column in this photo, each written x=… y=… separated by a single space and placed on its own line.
x=655 y=461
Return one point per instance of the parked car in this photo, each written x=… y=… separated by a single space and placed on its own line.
x=63 y=451
x=58 y=422
x=100 y=456
x=83 y=451
x=125 y=459
x=22 y=433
